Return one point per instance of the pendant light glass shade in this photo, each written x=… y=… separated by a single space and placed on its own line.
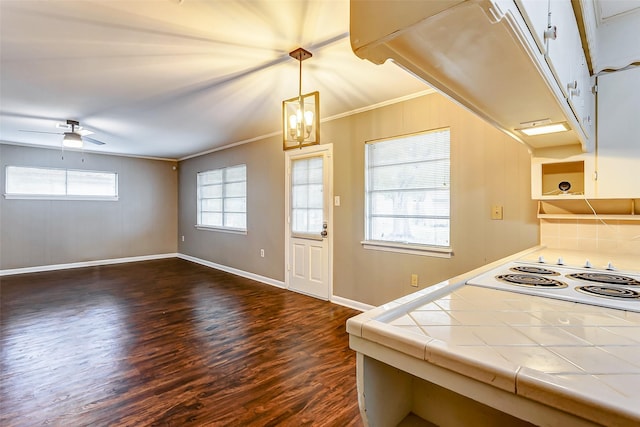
x=72 y=140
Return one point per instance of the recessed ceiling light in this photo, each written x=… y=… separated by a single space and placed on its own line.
x=543 y=129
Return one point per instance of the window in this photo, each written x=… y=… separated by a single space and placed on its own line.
x=48 y=183
x=222 y=198
x=307 y=195
x=407 y=191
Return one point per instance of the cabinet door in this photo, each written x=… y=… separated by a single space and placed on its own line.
x=562 y=55
x=585 y=100
x=618 y=151
x=536 y=15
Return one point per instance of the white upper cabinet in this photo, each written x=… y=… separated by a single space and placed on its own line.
x=583 y=99
x=536 y=15
x=618 y=153
x=555 y=29
x=488 y=55
x=612 y=30
x=563 y=46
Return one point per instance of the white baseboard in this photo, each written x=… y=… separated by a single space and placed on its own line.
x=241 y=273
x=81 y=264
x=356 y=305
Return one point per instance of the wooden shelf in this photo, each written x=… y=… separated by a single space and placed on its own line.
x=581 y=208
x=562 y=197
x=628 y=217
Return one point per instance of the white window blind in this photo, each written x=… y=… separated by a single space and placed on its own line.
x=407 y=189
x=222 y=198
x=307 y=195
x=50 y=183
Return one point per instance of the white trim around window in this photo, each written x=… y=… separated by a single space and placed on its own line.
x=222 y=199
x=407 y=194
x=39 y=183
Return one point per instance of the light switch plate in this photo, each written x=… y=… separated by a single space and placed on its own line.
x=496 y=212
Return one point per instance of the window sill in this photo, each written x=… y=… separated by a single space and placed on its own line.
x=432 y=251
x=221 y=229
x=72 y=198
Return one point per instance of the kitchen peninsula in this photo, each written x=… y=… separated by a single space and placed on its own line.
x=455 y=354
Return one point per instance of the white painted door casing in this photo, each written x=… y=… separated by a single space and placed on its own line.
x=308 y=257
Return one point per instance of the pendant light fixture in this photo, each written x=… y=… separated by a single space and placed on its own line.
x=301 y=115
x=72 y=139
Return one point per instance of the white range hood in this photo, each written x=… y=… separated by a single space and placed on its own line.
x=480 y=53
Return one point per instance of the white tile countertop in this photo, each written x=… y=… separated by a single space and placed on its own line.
x=577 y=358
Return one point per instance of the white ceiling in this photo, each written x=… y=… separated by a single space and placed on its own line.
x=606 y=9
x=172 y=78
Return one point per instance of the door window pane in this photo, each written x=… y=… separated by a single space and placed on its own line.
x=307 y=195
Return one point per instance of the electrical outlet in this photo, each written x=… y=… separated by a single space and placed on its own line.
x=183 y=238
x=414 y=280
x=262 y=253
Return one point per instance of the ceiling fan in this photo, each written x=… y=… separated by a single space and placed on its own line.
x=74 y=136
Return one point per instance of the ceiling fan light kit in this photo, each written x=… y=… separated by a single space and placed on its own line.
x=72 y=140
x=74 y=135
x=301 y=115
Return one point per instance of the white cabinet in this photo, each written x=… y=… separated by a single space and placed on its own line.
x=554 y=27
x=582 y=100
x=613 y=170
x=562 y=53
x=618 y=150
x=536 y=15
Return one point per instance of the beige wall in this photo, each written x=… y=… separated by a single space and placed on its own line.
x=265 y=210
x=487 y=168
x=45 y=232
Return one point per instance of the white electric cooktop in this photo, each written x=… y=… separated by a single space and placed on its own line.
x=605 y=287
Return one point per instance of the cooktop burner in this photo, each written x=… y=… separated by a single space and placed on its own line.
x=609 y=292
x=531 y=281
x=534 y=270
x=610 y=279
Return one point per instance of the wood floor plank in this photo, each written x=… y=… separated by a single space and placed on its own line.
x=170 y=343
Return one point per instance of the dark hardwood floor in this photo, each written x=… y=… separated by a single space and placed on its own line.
x=170 y=343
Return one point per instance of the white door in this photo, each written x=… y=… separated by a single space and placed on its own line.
x=308 y=252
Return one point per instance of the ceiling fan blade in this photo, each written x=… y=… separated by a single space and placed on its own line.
x=38 y=131
x=93 y=141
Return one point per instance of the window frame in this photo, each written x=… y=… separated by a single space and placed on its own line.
x=221 y=228
x=440 y=251
x=66 y=196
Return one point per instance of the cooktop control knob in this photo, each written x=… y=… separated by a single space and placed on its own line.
x=541 y=259
x=587 y=264
x=610 y=266
x=560 y=261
